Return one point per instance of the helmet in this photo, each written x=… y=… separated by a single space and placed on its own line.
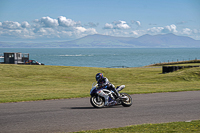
x=99 y=76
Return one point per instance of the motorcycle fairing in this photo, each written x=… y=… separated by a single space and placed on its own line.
x=119 y=88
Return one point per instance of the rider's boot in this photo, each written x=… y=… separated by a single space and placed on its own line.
x=117 y=92
x=118 y=95
x=114 y=89
x=101 y=93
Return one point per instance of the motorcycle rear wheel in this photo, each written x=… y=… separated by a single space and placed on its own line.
x=97 y=103
x=128 y=102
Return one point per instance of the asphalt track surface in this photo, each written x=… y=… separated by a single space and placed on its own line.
x=69 y=115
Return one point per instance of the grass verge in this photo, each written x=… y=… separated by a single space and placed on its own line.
x=30 y=83
x=179 y=127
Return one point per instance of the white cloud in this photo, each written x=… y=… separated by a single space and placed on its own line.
x=81 y=31
x=116 y=32
x=135 y=33
x=138 y=23
x=63 y=21
x=45 y=27
x=117 y=29
x=155 y=30
x=65 y=28
x=48 y=22
x=11 y=25
x=42 y=31
x=91 y=31
x=36 y=20
x=121 y=25
x=108 y=26
x=17 y=33
x=187 y=31
x=25 y=24
x=195 y=31
x=169 y=29
x=66 y=33
x=165 y=29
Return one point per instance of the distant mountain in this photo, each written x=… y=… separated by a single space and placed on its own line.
x=145 y=41
x=167 y=41
x=104 y=41
x=96 y=41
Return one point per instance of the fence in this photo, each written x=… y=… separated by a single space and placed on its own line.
x=177 y=62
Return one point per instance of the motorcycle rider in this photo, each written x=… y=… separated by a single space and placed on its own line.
x=103 y=82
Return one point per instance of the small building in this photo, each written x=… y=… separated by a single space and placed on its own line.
x=15 y=58
x=1 y=58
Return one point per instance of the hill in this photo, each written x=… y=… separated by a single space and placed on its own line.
x=104 y=41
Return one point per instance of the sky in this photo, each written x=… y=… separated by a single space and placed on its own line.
x=64 y=20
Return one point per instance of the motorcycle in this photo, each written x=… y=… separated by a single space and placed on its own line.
x=99 y=101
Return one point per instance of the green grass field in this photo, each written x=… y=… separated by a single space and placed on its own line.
x=173 y=127
x=30 y=83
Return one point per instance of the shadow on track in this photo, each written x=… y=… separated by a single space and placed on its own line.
x=78 y=108
x=90 y=107
x=83 y=108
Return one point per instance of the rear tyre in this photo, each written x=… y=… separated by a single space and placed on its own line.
x=97 y=103
x=128 y=101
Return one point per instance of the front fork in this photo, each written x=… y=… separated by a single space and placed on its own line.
x=98 y=99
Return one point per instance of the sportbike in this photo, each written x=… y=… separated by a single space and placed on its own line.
x=99 y=101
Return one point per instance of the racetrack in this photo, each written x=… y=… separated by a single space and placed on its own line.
x=68 y=115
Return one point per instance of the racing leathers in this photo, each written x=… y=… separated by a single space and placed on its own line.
x=103 y=83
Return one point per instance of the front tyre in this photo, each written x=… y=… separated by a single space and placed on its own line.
x=128 y=101
x=97 y=102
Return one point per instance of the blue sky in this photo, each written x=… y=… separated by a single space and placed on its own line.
x=61 y=20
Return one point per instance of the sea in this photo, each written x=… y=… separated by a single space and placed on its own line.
x=107 y=57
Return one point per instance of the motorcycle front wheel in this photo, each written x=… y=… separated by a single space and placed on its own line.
x=128 y=101
x=97 y=102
